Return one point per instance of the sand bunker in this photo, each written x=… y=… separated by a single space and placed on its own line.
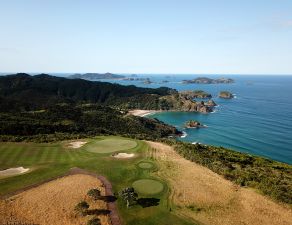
x=77 y=144
x=123 y=155
x=13 y=171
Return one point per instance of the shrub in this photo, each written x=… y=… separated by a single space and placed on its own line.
x=82 y=207
x=94 y=221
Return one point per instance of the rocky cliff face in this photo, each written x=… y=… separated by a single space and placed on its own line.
x=183 y=103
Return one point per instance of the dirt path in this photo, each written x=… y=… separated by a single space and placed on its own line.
x=204 y=196
x=30 y=196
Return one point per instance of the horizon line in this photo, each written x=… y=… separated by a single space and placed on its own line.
x=169 y=74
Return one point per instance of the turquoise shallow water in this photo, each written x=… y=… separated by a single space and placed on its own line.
x=257 y=121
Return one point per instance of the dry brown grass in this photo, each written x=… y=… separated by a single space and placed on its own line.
x=208 y=198
x=53 y=202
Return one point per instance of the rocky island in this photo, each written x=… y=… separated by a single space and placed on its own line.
x=194 y=124
x=206 y=80
x=147 y=81
x=96 y=76
x=226 y=95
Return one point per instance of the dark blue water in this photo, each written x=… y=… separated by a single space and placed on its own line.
x=257 y=121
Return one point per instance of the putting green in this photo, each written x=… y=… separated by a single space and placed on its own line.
x=148 y=186
x=110 y=144
x=145 y=165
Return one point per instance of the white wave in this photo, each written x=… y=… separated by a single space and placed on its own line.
x=184 y=134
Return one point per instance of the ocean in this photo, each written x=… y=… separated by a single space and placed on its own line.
x=257 y=121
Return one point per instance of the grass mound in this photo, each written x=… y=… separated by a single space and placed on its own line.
x=110 y=144
x=145 y=165
x=148 y=186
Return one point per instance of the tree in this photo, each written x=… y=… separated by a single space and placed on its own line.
x=129 y=195
x=94 y=193
x=81 y=207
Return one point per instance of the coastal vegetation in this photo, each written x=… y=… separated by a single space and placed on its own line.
x=269 y=177
x=69 y=121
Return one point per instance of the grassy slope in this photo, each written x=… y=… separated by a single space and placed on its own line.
x=50 y=160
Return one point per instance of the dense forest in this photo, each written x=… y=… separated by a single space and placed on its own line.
x=65 y=121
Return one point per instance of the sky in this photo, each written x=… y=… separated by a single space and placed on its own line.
x=146 y=36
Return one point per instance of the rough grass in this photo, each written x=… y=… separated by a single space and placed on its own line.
x=53 y=202
x=53 y=159
x=109 y=145
x=148 y=186
x=208 y=198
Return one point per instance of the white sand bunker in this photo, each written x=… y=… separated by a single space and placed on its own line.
x=13 y=171
x=77 y=144
x=123 y=155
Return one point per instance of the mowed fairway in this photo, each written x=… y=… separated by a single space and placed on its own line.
x=111 y=144
x=50 y=160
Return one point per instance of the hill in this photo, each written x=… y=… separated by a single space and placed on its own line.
x=25 y=92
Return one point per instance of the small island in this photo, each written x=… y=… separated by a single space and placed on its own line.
x=96 y=76
x=206 y=80
x=194 y=124
x=147 y=81
x=226 y=95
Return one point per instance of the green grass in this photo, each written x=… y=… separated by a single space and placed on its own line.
x=148 y=186
x=145 y=165
x=50 y=160
x=109 y=145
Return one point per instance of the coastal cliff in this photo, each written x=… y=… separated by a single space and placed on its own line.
x=180 y=102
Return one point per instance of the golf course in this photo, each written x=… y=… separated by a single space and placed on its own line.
x=170 y=189
x=46 y=161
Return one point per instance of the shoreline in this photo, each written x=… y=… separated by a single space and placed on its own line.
x=142 y=113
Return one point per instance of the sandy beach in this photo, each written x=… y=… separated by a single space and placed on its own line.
x=141 y=112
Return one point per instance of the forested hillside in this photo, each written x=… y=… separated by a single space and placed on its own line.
x=65 y=121
x=25 y=92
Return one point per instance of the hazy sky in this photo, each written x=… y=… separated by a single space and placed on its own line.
x=146 y=36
